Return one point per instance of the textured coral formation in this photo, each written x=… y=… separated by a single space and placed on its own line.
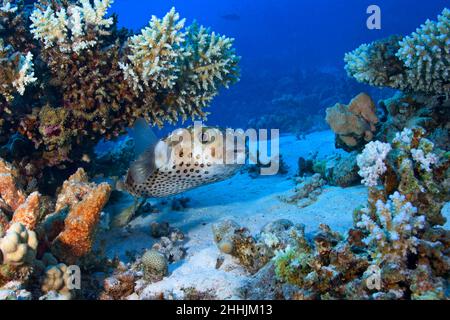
x=11 y=195
x=39 y=225
x=170 y=244
x=76 y=240
x=396 y=249
x=238 y=242
x=254 y=252
x=371 y=162
x=411 y=166
x=393 y=231
x=165 y=73
x=29 y=213
x=18 y=246
x=354 y=124
x=409 y=111
x=416 y=63
x=56 y=280
x=16 y=69
x=154 y=265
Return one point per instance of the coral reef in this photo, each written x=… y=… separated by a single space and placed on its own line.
x=254 y=252
x=416 y=63
x=371 y=162
x=171 y=243
x=119 y=286
x=411 y=166
x=39 y=225
x=354 y=124
x=165 y=73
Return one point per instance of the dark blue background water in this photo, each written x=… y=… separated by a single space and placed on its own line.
x=281 y=37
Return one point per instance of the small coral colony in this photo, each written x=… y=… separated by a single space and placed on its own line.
x=70 y=77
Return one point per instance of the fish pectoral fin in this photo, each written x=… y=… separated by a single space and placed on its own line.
x=144 y=166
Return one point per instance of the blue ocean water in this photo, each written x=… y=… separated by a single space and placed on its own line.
x=287 y=46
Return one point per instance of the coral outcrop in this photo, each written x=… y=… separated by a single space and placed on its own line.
x=154 y=265
x=76 y=240
x=354 y=124
x=56 y=280
x=411 y=166
x=337 y=169
x=416 y=63
x=254 y=252
x=165 y=73
x=306 y=191
x=39 y=225
x=18 y=246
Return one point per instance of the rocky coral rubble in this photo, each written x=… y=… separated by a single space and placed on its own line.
x=128 y=280
x=337 y=169
x=306 y=191
x=40 y=240
x=254 y=252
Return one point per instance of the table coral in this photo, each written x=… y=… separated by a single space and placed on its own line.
x=416 y=63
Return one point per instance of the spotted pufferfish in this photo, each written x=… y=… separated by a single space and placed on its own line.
x=184 y=160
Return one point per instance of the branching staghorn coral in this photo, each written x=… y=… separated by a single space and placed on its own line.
x=94 y=81
x=156 y=53
x=410 y=166
x=68 y=28
x=7 y=7
x=190 y=65
x=16 y=71
x=394 y=231
x=419 y=62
